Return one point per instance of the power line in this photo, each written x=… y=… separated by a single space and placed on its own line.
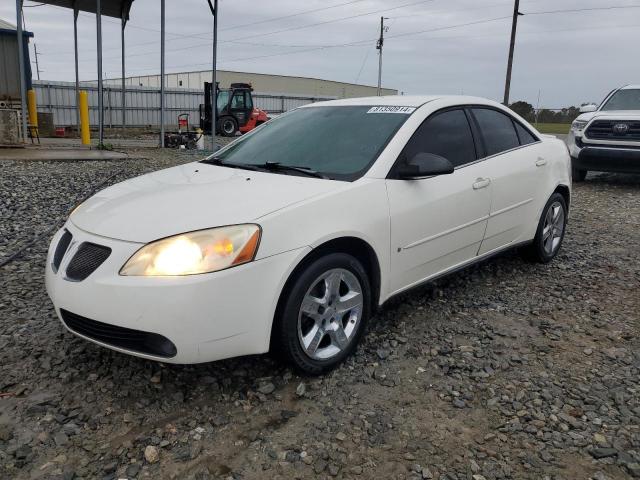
x=300 y=27
x=292 y=15
x=206 y=35
x=612 y=7
x=350 y=44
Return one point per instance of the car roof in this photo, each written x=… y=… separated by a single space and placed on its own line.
x=631 y=87
x=402 y=101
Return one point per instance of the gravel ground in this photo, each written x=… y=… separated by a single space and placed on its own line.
x=507 y=370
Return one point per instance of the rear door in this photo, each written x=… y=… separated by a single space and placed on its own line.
x=514 y=162
x=438 y=222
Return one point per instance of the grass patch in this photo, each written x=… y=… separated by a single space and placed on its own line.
x=559 y=128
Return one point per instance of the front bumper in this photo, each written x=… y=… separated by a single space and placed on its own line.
x=205 y=317
x=608 y=159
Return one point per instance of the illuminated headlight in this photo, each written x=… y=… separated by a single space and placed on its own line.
x=578 y=125
x=202 y=251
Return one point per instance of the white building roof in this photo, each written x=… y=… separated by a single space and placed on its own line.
x=4 y=25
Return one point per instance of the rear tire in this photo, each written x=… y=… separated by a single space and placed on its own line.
x=578 y=175
x=550 y=232
x=228 y=126
x=324 y=313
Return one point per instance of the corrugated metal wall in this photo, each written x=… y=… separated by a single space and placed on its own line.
x=262 y=82
x=143 y=103
x=9 y=64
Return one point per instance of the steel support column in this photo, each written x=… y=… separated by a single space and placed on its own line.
x=99 y=47
x=162 y=73
x=124 y=91
x=75 y=51
x=23 y=73
x=214 y=96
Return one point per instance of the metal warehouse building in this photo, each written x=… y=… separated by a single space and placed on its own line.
x=261 y=82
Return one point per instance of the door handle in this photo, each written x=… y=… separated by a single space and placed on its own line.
x=481 y=183
x=541 y=162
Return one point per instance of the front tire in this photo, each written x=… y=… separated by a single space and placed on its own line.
x=228 y=126
x=324 y=313
x=550 y=232
x=578 y=175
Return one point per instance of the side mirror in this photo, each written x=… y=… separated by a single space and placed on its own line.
x=424 y=165
x=588 y=108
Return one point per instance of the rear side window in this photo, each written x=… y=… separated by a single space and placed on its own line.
x=525 y=136
x=497 y=130
x=447 y=134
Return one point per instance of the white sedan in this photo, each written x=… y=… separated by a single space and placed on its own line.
x=290 y=237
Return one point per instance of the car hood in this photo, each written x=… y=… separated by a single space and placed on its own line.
x=191 y=197
x=612 y=114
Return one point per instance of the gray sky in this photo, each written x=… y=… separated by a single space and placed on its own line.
x=571 y=57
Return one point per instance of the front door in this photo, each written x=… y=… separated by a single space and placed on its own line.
x=240 y=108
x=438 y=223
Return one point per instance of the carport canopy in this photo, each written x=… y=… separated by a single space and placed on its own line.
x=110 y=8
x=117 y=9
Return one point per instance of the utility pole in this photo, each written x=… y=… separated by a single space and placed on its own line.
x=214 y=91
x=379 y=47
x=35 y=50
x=162 y=80
x=514 y=26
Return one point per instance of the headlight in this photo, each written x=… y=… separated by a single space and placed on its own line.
x=578 y=125
x=197 y=252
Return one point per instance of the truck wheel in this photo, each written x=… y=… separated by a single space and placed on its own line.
x=228 y=126
x=578 y=174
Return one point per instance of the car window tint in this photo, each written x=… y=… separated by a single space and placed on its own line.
x=525 y=136
x=447 y=134
x=497 y=130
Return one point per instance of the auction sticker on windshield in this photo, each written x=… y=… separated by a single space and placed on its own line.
x=391 y=109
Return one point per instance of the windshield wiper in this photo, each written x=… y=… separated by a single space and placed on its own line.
x=219 y=163
x=277 y=166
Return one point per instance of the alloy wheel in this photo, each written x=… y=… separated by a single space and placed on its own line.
x=330 y=314
x=553 y=228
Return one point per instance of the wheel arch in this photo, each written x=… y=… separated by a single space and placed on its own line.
x=352 y=245
x=565 y=191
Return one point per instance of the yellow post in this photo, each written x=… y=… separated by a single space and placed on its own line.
x=84 y=118
x=33 y=109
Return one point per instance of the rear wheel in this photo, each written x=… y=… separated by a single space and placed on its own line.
x=228 y=126
x=324 y=314
x=551 y=228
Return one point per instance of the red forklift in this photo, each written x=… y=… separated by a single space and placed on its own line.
x=235 y=111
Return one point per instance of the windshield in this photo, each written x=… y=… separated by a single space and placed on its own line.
x=340 y=142
x=223 y=100
x=623 y=100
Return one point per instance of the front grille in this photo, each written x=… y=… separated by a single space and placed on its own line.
x=121 y=337
x=86 y=260
x=605 y=130
x=61 y=249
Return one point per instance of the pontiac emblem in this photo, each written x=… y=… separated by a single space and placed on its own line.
x=620 y=128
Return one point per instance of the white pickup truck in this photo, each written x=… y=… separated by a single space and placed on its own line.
x=606 y=138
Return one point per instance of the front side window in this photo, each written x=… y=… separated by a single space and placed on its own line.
x=497 y=130
x=341 y=142
x=628 y=99
x=446 y=134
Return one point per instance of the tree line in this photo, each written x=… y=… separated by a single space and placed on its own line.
x=526 y=110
